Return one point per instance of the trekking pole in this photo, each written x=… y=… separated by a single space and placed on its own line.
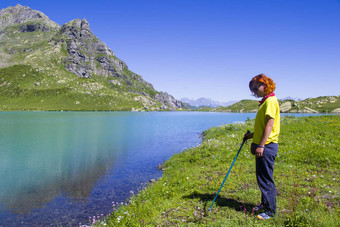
x=244 y=140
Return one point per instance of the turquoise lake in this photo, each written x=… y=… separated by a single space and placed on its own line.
x=60 y=168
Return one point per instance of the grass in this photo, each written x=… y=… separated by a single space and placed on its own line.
x=306 y=176
x=26 y=88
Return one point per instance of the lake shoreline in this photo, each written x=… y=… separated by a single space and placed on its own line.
x=62 y=166
x=186 y=189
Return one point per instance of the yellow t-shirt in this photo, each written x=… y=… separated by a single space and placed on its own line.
x=270 y=107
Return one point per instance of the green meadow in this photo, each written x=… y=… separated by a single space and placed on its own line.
x=24 y=88
x=306 y=175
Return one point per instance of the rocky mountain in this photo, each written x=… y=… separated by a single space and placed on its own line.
x=45 y=66
x=323 y=104
x=207 y=102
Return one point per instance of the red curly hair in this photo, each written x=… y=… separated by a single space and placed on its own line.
x=261 y=78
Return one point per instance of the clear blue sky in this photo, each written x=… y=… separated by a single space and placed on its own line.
x=212 y=48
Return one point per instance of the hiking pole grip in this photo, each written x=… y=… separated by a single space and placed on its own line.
x=228 y=172
x=244 y=139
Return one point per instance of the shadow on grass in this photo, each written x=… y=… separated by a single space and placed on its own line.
x=221 y=202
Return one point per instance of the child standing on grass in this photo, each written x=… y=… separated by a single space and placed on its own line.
x=265 y=142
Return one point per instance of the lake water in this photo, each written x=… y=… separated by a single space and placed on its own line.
x=60 y=168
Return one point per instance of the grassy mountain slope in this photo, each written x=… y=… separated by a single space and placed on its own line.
x=47 y=67
x=241 y=106
x=26 y=88
x=324 y=104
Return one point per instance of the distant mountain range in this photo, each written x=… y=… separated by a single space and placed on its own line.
x=205 y=102
x=291 y=98
x=45 y=66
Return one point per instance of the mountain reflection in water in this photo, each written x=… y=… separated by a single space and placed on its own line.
x=49 y=157
x=60 y=168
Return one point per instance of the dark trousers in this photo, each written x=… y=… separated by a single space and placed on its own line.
x=264 y=175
